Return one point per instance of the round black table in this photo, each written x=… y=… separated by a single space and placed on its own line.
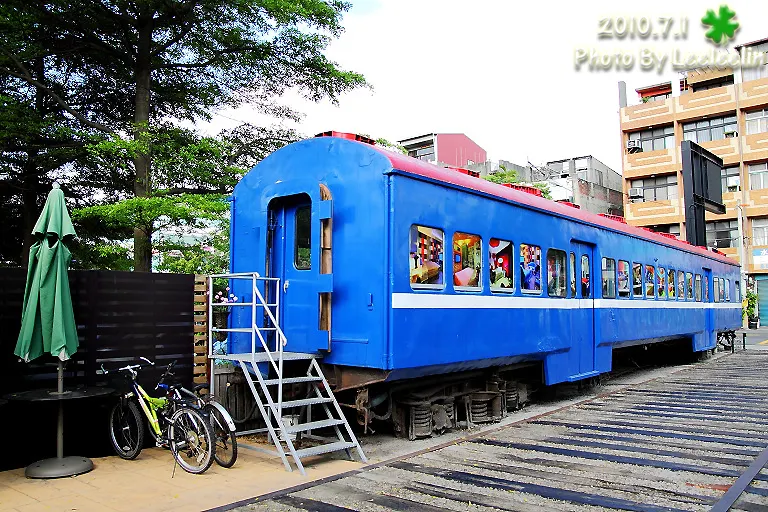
x=59 y=466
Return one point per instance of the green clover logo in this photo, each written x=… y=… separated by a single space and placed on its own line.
x=722 y=26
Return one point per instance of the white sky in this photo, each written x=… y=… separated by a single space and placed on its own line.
x=502 y=72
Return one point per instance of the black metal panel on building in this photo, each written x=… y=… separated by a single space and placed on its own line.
x=702 y=189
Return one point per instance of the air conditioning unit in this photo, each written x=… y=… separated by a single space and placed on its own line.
x=634 y=146
x=731 y=134
x=635 y=193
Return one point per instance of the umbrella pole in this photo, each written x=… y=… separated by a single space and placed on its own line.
x=60 y=426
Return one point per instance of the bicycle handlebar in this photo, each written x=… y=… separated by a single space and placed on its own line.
x=130 y=367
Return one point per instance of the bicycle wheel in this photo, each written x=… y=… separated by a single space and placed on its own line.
x=126 y=429
x=225 y=451
x=189 y=435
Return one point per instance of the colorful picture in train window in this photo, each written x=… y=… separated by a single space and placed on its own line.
x=637 y=279
x=302 y=250
x=662 y=281
x=671 y=283
x=586 y=286
x=722 y=290
x=467 y=261
x=689 y=285
x=609 y=278
x=697 y=288
x=530 y=268
x=716 y=289
x=650 y=285
x=727 y=290
x=426 y=257
x=573 y=274
x=623 y=278
x=706 y=289
x=556 y=273
x=500 y=267
x=681 y=285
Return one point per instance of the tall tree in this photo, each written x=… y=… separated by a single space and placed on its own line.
x=145 y=62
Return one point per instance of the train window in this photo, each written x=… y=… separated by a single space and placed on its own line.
x=585 y=284
x=680 y=285
x=722 y=289
x=650 y=274
x=467 y=261
x=706 y=289
x=716 y=289
x=302 y=250
x=637 y=279
x=623 y=278
x=530 y=268
x=727 y=290
x=697 y=288
x=689 y=285
x=662 y=282
x=609 y=278
x=500 y=267
x=737 y=291
x=671 y=283
x=426 y=257
x=556 y=273
x=573 y=275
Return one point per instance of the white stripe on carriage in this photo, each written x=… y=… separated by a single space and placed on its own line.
x=462 y=301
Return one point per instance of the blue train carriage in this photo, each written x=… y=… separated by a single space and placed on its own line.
x=438 y=298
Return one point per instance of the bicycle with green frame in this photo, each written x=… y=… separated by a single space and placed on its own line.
x=172 y=421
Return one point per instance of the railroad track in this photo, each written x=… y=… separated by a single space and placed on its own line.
x=693 y=440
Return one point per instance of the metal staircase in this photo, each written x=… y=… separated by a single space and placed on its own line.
x=268 y=392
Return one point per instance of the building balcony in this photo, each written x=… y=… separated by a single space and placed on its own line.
x=727 y=149
x=662 y=161
x=756 y=147
x=757 y=203
x=705 y=103
x=754 y=93
x=653 y=113
x=730 y=200
x=651 y=213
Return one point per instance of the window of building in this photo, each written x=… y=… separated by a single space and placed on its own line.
x=573 y=274
x=757 y=121
x=656 y=189
x=661 y=281
x=731 y=179
x=689 y=285
x=713 y=84
x=500 y=266
x=426 y=153
x=650 y=285
x=637 y=279
x=681 y=285
x=722 y=289
x=758 y=176
x=556 y=273
x=467 y=261
x=585 y=277
x=671 y=283
x=673 y=229
x=426 y=257
x=760 y=231
x=697 y=288
x=530 y=268
x=724 y=233
x=302 y=251
x=727 y=290
x=709 y=129
x=655 y=139
x=623 y=278
x=609 y=278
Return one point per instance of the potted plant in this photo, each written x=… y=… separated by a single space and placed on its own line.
x=750 y=311
x=221 y=313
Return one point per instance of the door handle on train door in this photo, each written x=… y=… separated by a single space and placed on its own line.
x=285 y=286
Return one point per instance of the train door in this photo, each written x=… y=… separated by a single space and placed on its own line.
x=584 y=326
x=292 y=260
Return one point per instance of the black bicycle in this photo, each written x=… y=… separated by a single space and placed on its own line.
x=173 y=422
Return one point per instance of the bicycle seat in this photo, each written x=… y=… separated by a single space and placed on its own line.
x=200 y=387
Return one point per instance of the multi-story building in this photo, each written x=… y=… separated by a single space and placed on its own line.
x=450 y=149
x=724 y=111
x=586 y=182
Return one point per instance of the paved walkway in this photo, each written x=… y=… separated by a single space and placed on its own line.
x=148 y=484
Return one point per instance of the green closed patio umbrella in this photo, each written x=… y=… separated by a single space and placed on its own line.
x=48 y=320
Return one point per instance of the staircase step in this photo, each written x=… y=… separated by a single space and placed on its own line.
x=292 y=380
x=312 y=425
x=324 y=448
x=305 y=401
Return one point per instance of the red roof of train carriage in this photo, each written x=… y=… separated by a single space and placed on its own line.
x=418 y=167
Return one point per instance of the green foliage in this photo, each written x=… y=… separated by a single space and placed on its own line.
x=750 y=311
x=544 y=187
x=503 y=175
x=391 y=145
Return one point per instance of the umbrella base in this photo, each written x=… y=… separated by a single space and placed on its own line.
x=58 y=468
